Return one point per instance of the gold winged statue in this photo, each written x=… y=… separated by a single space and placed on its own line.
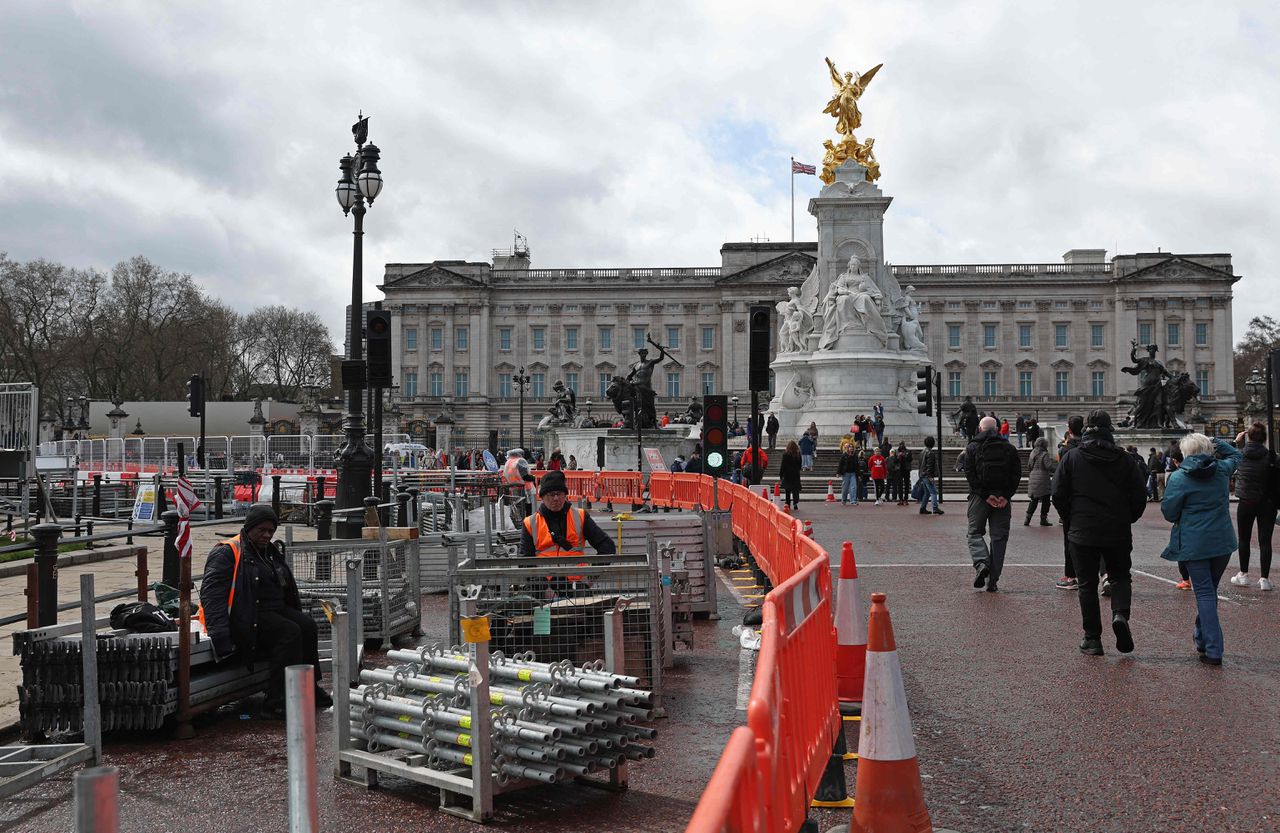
x=844 y=104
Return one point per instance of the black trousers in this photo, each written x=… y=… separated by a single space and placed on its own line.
x=1069 y=568
x=1264 y=512
x=791 y=496
x=1118 y=562
x=286 y=637
x=1043 y=503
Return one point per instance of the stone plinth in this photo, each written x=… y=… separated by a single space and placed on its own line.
x=619 y=444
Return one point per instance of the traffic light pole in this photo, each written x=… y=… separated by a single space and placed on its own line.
x=937 y=407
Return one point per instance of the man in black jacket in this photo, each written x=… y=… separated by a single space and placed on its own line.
x=1254 y=484
x=993 y=470
x=250 y=607
x=1099 y=493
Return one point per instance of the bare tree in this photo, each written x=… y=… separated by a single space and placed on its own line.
x=290 y=348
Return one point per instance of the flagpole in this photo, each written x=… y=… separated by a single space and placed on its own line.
x=793 y=199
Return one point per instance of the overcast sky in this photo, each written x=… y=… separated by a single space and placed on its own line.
x=205 y=136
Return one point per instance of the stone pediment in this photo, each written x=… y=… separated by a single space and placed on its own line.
x=1063 y=364
x=789 y=268
x=1027 y=364
x=1176 y=269
x=955 y=364
x=606 y=366
x=571 y=365
x=991 y=364
x=1099 y=364
x=708 y=364
x=434 y=276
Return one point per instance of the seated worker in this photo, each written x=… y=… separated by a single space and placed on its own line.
x=558 y=529
x=250 y=607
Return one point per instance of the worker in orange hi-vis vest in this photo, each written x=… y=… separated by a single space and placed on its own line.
x=519 y=480
x=558 y=529
x=251 y=609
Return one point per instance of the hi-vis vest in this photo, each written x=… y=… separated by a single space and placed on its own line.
x=234 y=543
x=544 y=547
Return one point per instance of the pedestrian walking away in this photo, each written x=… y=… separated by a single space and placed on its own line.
x=1099 y=493
x=1255 y=491
x=930 y=471
x=807 y=446
x=1075 y=427
x=789 y=475
x=1197 y=501
x=993 y=471
x=771 y=427
x=1040 y=468
x=251 y=608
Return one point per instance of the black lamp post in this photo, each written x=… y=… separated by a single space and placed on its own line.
x=521 y=381
x=361 y=181
x=734 y=400
x=589 y=419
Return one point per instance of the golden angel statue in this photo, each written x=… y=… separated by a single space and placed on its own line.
x=844 y=104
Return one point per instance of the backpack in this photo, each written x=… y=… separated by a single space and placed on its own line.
x=989 y=464
x=141 y=617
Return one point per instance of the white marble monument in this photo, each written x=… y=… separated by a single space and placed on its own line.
x=850 y=336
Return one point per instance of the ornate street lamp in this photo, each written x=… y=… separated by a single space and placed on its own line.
x=521 y=381
x=589 y=419
x=360 y=182
x=734 y=400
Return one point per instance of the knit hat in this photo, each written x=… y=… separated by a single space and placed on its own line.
x=260 y=513
x=553 y=481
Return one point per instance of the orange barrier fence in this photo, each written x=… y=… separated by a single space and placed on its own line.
x=732 y=799
x=620 y=486
x=770 y=769
x=582 y=484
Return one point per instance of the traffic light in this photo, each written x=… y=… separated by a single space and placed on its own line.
x=715 y=435
x=924 y=390
x=378 y=337
x=195 y=396
x=758 y=348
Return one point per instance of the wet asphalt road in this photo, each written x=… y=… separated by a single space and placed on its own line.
x=1015 y=729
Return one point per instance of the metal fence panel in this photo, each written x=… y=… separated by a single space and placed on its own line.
x=390 y=590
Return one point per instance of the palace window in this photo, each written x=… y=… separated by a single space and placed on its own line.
x=1173 y=331
x=411 y=383
x=708 y=338
x=1202 y=334
x=504 y=385
x=637 y=337
x=953 y=383
x=708 y=383
x=539 y=338
x=571 y=380
x=605 y=379
x=953 y=336
x=1098 y=383
x=461 y=336
x=571 y=338
x=411 y=338
x=1059 y=335
x=1024 y=383
x=1060 y=383
x=437 y=338
x=1144 y=332
x=435 y=383
x=989 y=387
x=673 y=383
x=1024 y=335
x=1096 y=335
x=605 y=337
x=1202 y=380
x=504 y=338
x=988 y=335
x=673 y=338
x=538 y=384
x=461 y=380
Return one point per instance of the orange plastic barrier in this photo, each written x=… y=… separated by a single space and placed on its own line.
x=686 y=491
x=732 y=799
x=662 y=488
x=621 y=486
x=582 y=484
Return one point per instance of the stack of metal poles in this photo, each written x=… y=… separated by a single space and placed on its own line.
x=551 y=721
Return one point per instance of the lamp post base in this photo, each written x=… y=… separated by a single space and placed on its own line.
x=355 y=478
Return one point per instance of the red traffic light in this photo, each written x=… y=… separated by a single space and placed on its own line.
x=715 y=435
x=378 y=325
x=714 y=413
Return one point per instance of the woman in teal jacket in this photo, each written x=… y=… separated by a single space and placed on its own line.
x=1197 y=501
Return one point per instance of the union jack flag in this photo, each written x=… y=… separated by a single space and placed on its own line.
x=802 y=168
x=185 y=497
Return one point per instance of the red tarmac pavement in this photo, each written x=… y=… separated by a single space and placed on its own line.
x=1017 y=731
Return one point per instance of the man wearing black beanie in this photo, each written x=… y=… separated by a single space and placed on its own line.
x=557 y=529
x=250 y=607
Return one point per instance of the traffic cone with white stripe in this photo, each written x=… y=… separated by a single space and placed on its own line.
x=851 y=635
x=888 y=797
x=831 y=494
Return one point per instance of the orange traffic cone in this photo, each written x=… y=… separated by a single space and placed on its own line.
x=808 y=528
x=777 y=490
x=888 y=797
x=831 y=495
x=851 y=635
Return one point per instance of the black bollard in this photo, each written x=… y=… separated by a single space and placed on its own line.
x=402 y=509
x=129 y=526
x=97 y=495
x=413 y=494
x=217 y=498
x=324 y=520
x=385 y=514
x=88 y=530
x=320 y=495
x=275 y=494
x=161 y=502
x=171 y=566
x=77 y=527
x=47 y=536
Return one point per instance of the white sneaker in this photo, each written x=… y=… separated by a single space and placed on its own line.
x=1264 y=584
x=1240 y=579
x=877 y=501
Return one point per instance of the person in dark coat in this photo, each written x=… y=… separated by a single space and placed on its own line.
x=1040 y=469
x=694 y=464
x=789 y=475
x=994 y=471
x=1257 y=502
x=904 y=457
x=771 y=427
x=251 y=609
x=1034 y=431
x=847 y=470
x=1099 y=493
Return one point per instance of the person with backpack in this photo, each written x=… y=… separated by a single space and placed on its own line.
x=1099 y=494
x=994 y=471
x=807 y=445
x=1255 y=491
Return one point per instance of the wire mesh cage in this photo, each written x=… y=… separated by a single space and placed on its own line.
x=557 y=608
x=389 y=584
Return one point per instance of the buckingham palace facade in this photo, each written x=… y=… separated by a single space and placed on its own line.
x=1041 y=338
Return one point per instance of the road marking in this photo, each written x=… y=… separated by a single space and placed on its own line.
x=1175 y=584
x=967 y=564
